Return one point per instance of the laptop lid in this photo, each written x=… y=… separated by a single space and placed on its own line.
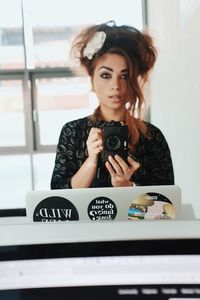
x=97 y=204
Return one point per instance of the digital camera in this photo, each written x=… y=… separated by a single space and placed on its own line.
x=115 y=140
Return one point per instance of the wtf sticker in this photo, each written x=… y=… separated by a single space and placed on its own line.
x=102 y=208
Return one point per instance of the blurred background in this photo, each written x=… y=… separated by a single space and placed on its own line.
x=39 y=92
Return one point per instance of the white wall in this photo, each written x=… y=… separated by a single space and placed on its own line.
x=175 y=26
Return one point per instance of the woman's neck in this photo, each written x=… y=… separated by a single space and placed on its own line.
x=112 y=115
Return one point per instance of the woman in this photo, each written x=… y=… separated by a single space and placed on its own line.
x=118 y=60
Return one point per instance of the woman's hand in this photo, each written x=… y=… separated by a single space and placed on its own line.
x=120 y=171
x=94 y=143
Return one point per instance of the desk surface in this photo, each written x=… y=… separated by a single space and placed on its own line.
x=40 y=233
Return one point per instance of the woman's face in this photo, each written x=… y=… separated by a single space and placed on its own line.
x=110 y=81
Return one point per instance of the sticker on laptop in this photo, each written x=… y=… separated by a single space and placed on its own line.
x=102 y=208
x=55 y=209
x=151 y=206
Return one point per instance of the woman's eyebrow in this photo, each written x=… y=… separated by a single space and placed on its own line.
x=110 y=69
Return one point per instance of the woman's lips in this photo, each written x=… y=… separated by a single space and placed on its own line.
x=115 y=98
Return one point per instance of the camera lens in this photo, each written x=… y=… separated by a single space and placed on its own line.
x=113 y=142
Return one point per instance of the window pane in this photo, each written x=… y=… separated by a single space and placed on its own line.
x=53 y=31
x=15 y=180
x=43 y=165
x=11 y=37
x=60 y=100
x=12 y=128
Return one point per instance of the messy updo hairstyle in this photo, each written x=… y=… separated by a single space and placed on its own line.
x=140 y=55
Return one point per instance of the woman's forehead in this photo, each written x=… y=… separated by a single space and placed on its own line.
x=113 y=61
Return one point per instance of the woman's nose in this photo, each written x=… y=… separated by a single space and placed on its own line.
x=115 y=84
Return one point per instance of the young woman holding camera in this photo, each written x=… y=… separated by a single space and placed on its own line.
x=118 y=60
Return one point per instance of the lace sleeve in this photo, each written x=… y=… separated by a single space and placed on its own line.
x=71 y=152
x=65 y=164
x=154 y=156
x=159 y=164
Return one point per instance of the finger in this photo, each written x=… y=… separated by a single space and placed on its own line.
x=95 y=130
x=124 y=166
x=115 y=165
x=99 y=143
x=127 y=170
x=95 y=134
x=93 y=137
x=110 y=169
x=94 y=147
x=134 y=164
x=94 y=151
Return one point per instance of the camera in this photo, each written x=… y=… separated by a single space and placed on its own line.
x=115 y=140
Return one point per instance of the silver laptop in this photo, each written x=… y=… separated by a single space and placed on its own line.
x=104 y=204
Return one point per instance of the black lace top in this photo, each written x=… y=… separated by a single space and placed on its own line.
x=152 y=153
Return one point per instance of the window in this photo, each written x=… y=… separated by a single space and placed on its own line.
x=59 y=99
x=12 y=124
x=11 y=35
x=38 y=91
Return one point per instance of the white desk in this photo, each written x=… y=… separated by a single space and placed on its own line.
x=73 y=231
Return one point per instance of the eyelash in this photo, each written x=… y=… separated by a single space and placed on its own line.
x=105 y=75
x=108 y=75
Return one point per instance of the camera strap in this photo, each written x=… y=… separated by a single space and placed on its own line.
x=102 y=177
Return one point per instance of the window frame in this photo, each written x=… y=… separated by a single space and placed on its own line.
x=34 y=76
x=23 y=76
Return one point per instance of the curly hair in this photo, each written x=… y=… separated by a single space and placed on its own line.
x=140 y=55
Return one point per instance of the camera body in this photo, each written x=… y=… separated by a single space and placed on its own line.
x=115 y=140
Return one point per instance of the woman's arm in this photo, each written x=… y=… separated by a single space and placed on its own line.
x=73 y=169
x=159 y=162
x=153 y=154
x=85 y=175
x=65 y=163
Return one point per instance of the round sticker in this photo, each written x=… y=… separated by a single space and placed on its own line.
x=102 y=208
x=54 y=209
x=151 y=206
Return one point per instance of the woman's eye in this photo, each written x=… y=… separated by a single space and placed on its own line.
x=105 y=75
x=124 y=76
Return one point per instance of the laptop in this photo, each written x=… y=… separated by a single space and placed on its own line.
x=105 y=204
x=143 y=269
